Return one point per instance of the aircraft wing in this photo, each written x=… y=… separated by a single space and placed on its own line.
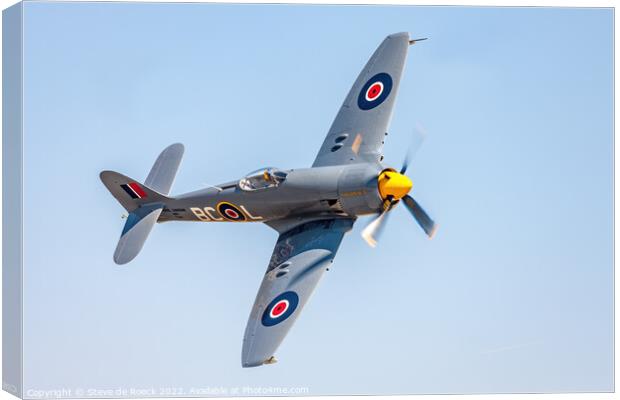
x=357 y=133
x=299 y=259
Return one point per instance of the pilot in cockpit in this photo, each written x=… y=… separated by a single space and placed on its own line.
x=268 y=177
x=262 y=179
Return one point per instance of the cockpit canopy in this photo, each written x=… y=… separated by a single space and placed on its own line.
x=263 y=178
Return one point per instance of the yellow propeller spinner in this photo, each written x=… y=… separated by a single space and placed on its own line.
x=393 y=185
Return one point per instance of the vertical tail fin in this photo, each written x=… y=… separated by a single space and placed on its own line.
x=144 y=202
x=165 y=169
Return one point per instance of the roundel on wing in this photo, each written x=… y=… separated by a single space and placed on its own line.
x=375 y=91
x=230 y=212
x=280 y=308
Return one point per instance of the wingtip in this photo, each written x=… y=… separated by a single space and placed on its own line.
x=252 y=364
x=399 y=34
x=176 y=146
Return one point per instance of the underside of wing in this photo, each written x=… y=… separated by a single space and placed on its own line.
x=299 y=259
x=359 y=129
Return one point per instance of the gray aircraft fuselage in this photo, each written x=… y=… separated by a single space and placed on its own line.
x=349 y=190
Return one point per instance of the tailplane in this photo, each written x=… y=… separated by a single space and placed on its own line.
x=144 y=202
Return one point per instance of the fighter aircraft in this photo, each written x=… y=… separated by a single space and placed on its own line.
x=310 y=208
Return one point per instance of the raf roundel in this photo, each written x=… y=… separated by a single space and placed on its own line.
x=375 y=91
x=280 y=308
x=230 y=212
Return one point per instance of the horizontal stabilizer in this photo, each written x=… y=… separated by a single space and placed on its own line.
x=137 y=228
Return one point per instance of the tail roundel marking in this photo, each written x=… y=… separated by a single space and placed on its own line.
x=134 y=190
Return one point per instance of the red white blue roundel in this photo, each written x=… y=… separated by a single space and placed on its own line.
x=280 y=308
x=375 y=91
x=230 y=212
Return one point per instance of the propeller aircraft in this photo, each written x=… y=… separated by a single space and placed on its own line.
x=311 y=208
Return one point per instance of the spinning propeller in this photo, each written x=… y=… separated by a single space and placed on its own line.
x=394 y=186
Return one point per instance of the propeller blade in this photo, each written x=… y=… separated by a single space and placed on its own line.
x=373 y=231
x=417 y=138
x=425 y=222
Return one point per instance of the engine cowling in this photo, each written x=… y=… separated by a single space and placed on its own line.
x=358 y=190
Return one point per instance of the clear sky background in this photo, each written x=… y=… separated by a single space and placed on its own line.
x=514 y=294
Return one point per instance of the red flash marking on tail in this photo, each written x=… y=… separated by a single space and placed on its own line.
x=137 y=189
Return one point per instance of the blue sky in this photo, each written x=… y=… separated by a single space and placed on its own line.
x=514 y=294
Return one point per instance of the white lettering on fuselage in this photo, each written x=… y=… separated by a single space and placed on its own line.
x=256 y=218
x=209 y=210
x=209 y=214
x=200 y=214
